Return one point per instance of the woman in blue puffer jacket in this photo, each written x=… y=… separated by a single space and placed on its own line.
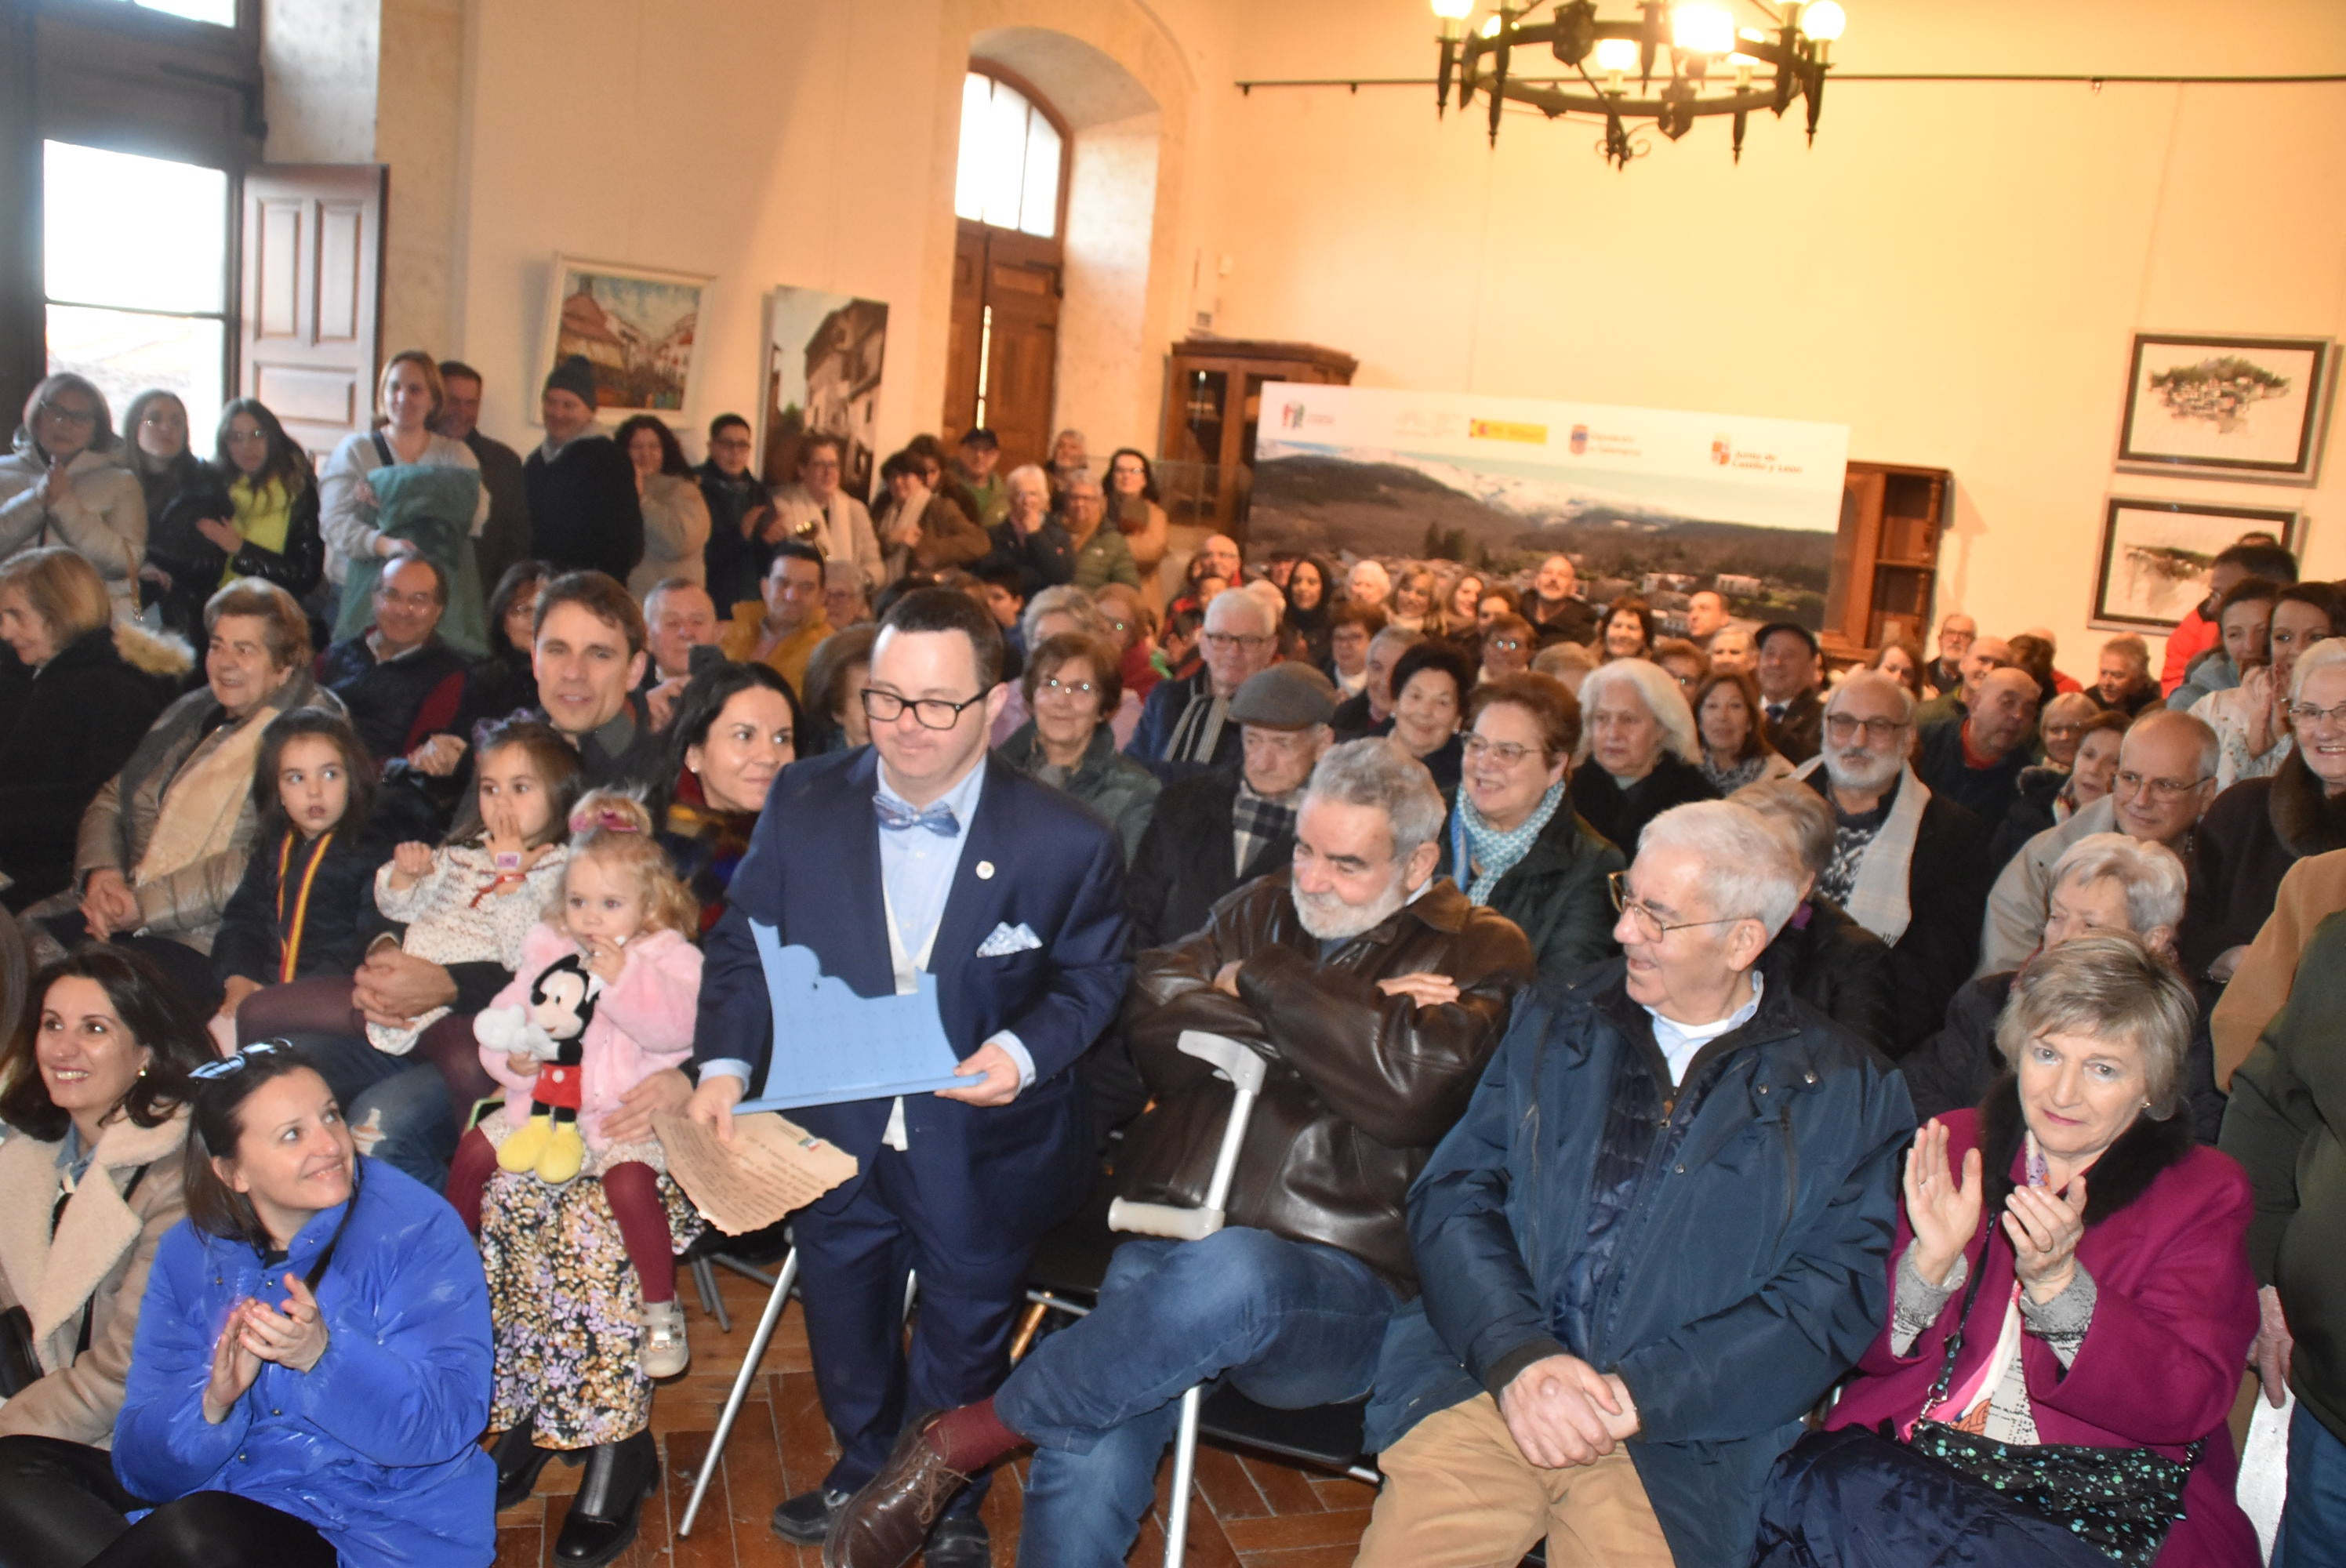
x=311 y=1374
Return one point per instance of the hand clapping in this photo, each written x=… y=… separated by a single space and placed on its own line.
x=1943 y=1211
x=2045 y=1227
x=292 y=1334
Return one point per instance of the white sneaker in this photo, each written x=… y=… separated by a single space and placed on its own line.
x=665 y=1353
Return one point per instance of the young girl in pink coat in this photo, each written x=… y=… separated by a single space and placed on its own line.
x=603 y=999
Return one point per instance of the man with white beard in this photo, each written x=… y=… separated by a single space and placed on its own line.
x=1910 y=868
x=1376 y=992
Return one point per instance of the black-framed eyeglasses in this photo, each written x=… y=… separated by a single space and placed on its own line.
x=1507 y=751
x=1842 y=726
x=59 y=410
x=1057 y=688
x=2129 y=782
x=929 y=712
x=211 y=1071
x=1651 y=926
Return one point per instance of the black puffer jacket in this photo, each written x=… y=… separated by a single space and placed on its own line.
x=340 y=921
x=1842 y=970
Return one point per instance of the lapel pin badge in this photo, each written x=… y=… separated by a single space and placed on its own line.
x=985 y=870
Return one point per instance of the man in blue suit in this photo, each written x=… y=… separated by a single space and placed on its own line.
x=919 y=853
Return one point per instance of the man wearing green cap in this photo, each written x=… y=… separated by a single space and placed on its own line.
x=584 y=516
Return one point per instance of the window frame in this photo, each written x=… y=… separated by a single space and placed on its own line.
x=1044 y=106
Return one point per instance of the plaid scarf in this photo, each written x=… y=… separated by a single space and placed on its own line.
x=1198 y=733
x=1257 y=820
x=1487 y=853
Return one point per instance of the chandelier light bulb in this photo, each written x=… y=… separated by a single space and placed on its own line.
x=1824 y=20
x=1616 y=56
x=1454 y=10
x=1703 y=29
x=1491 y=25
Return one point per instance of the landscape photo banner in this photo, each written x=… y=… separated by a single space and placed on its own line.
x=1651 y=501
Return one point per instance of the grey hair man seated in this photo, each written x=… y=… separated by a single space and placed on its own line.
x=1376 y=993
x=1656 y=1238
x=1185 y=725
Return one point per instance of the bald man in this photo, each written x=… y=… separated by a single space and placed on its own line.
x=1953 y=706
x=1976 y=763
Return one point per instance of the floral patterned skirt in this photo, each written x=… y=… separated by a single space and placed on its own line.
x=567 y=1306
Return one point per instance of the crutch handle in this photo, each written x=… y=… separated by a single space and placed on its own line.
x=1240 y=1063
x=1163 y=1219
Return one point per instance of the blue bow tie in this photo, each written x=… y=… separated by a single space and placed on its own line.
x=897 y=817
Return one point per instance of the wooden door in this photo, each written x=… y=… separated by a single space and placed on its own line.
x=313 y=288
x=1002 y=357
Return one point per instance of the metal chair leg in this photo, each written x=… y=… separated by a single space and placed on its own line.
x=756 y=1352
x=1185 y=1469
x=704 y=1281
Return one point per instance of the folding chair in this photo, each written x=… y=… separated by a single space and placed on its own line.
x=1244 y=1069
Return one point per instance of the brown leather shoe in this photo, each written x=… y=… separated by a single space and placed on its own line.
x=891 y=1515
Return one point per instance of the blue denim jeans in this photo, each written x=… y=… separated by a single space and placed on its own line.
x=418 y=1133
x=2313 y=1524
x=1290 y=1323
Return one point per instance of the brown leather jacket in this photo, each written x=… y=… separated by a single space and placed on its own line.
x=1361 y=1084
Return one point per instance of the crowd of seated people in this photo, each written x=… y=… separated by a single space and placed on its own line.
x=1665 y=1033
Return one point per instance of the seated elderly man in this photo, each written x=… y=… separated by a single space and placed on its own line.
x=1377 y=994
x=1370 y=710
x=2165 y=783
x=1186 y=725
x=1983 y=655
x=1906 y=865
x=1822 y=956
x=1976 y=763
x=400 y=682
x=2103 y=882
x=1656 y=1238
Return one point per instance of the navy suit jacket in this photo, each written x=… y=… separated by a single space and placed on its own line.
x=812 y=872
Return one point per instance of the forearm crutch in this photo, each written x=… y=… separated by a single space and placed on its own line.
x=1244 y=1069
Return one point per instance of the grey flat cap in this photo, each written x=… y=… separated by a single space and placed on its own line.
x=1285 y=696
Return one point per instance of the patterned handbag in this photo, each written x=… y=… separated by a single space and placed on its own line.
x=2119 y=1501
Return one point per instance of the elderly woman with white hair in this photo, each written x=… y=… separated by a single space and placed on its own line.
x=2103 y=882
x=1047 y=614
x=1029 y=540
x=1639 y=754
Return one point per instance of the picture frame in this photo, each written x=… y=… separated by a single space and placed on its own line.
x=2217 y=407
x=2152 y=568
x=638 y=326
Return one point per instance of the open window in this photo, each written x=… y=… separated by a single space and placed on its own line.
x=1010 y=192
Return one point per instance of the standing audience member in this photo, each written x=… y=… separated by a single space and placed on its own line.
x=63 y=483
x=1554 y=609
x=1825 y=957
x=1368 y=582
x=675 y=512
x=2195 y=635
x=974 y=1175
x=2122 y=677
x=1430 y=684
x=96 y=1090
x=2284 y=1121
x=1907 y=866
x=2251 y=719
x=1349 y=629
x=1310 y=611
x=782 y=632
x=1028 y=539
x=1946 y=673
x=311 y=1371
x=2258 y=827
x=1071 y=685
x=90 y=687
x=817 y=513
x=734 y=562
x=1788 y=674
x=1976 y=764
x=1461 y=611
x=1514 y=842
x=1186 y=724
x=1378 y=993
x=1640 y=751
x=2162 y=788
x=921 y=530
x=1137 y=511
x=1706 y=616
x=262 y=521
x=1727 y=715
x=976 y=466
x=2239 y=650
x=504 y=539
x=1101 y=556
x=2052 y=1245
x=1551 y=1380
x=1069 y=457
x=585 y=515
x=1414 y=601
x=400 y=682
x=1628 y=630
x=351 y=515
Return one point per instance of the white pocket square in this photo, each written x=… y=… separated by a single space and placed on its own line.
x=1008 y=939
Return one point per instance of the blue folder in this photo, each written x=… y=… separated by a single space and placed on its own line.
x=832 y=1045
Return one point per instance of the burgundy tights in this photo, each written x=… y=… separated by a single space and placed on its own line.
x=632 y=1187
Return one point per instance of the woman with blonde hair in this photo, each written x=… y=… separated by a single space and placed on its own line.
x=351 y=515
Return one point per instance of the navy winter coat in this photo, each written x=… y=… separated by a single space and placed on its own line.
x=1747 y=1269
x=378 y=1444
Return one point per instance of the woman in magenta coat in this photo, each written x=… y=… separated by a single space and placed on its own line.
x=2117 y=1306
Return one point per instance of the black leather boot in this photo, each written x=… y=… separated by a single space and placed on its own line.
x=519 y=1459
x=603 y=1516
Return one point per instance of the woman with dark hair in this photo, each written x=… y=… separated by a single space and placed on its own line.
x=1736 y=749
x=1901 y=661
x=675 y=513
x=256 y=517
x=1628 y=629
x=1138 y=513
x=2251 y=719
x=503 y=682
x=311 y=1375
x=87 y=687
x=834 y=678
x=95 y=1088
x=1431 y=682
x=1072 y=686
x=921 y=530
x=1309 y=607
x=737 y=727
x=177 y=487
x=63 y=483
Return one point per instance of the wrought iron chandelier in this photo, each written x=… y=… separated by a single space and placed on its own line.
x=1711 y=67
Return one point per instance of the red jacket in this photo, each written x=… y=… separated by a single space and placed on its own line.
x=2194 y=635
x=2165 y=1240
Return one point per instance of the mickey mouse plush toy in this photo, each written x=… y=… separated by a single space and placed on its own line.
x=561 y=1005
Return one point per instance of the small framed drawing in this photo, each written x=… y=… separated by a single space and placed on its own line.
x=2156 y=554
x=2228 y=408
x=637 y=326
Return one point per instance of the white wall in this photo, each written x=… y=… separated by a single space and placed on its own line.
x=1952 y=270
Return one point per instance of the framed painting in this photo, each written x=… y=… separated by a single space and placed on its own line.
x=2228 y=408
x=637 y=326
x=2156 y=554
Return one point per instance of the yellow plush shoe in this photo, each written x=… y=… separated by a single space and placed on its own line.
x=523 y=1145
x=564 y=1155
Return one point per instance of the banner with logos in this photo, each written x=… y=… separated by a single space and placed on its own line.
x=1649 y=501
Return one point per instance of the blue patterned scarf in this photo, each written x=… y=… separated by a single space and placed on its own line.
x=1483 y=854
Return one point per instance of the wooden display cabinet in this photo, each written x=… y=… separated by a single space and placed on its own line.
x=1885 y=559
x=1213 y=400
